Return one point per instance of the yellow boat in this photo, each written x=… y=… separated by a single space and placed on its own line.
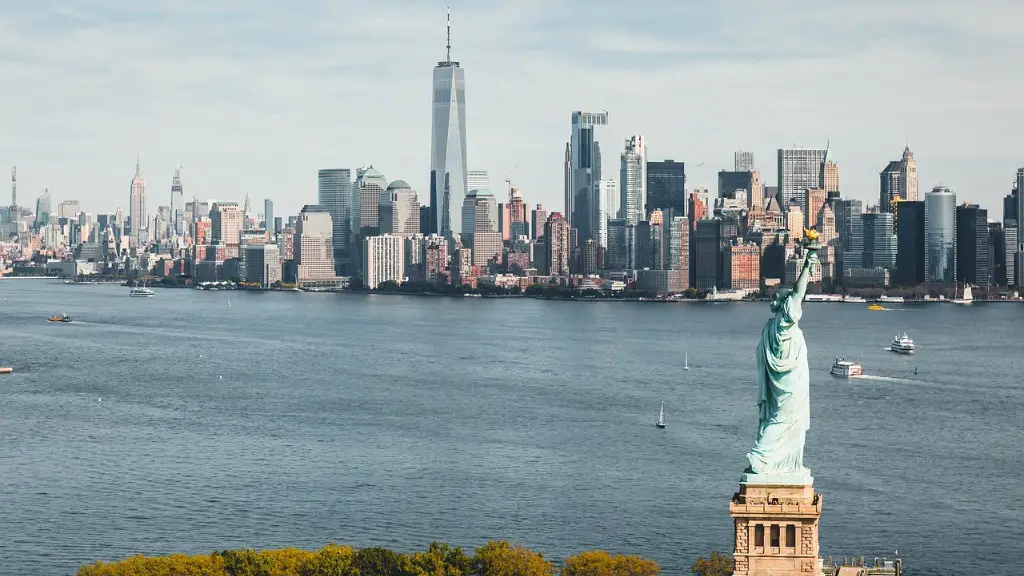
x=875 y=307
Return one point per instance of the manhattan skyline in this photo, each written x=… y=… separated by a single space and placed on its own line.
x=255 y=101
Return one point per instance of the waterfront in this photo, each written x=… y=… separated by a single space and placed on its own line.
x=299 y=419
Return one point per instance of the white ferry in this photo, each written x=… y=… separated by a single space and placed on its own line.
x=854 y=299
x=141 y=291
x=884 y=298
x=823 y=298
x=902 y=344
x=725 y=295
x=843 y=368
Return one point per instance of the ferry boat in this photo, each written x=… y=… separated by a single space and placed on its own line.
x=902 y=344
x=854 y=299
x=876 y=307
x=823 y=298
x=896 y=299
x=141 y=291
x=61 y=318
x=843 y=368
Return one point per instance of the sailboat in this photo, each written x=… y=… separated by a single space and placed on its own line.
x=686 y=361
x=661 y=417
x=966 y=298
x=229 y=301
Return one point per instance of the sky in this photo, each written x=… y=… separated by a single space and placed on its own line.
x=254 y=96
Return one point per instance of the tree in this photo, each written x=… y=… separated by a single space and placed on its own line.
x=331 y=560
x=601 y=563
x=377 y=562
x=499 y=558
x=717 y=565
x=439 y=560
x=247 y=563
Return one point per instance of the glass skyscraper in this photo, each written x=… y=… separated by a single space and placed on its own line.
x=940 y=235
x=448 y=183
x=334 y=193
x=582 y=171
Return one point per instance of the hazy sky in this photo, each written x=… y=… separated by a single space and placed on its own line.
x=253 y=96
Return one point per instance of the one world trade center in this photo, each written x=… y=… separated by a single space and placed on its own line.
x=448 y=145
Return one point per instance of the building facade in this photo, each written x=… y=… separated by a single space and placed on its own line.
x=940 y=235
x=383 y=260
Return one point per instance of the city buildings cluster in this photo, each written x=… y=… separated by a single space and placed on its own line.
x=644 y=229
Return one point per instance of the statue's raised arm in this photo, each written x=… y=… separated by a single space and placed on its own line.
x=783 y=385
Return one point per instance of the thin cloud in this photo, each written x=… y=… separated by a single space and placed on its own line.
x=255 y=97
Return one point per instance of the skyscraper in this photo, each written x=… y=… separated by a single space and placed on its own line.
x=604 y=193
x=480 y=225
x=633 y=181
x=137 y=206
x=448 y=184
x=177 y=200
x=940 y=235
x=227 y=225
x=799 y=170
x=268 y=218
x=370 y=185
x=477 y=180
x=910 y=238
x=334 y=193
x=666 y=187
x=972 y=245
x=43 y=208
x=908 y=176
x=898 y=180
x=743 y=161
x=556 y=234
x=399 y=212
x=313 y=249
x=583 y=168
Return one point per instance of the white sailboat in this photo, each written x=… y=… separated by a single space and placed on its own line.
x=966 y=298
x=686 y=361
x=229 y=302
x=661 y=417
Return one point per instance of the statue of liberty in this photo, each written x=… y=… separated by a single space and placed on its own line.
x=783 y=386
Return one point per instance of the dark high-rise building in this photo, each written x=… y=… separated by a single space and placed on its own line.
x=730 y=182
x=997 y=253
x=666 y=186
x=972 y=264
x=1010 y=208
x=889 y=185
x=707 y=253
x=910 y=260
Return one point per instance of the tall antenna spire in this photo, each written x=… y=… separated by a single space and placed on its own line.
x=448 y=47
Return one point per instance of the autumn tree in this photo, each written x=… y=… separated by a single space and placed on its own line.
x=439 y=560
x=331 y=560
x=499 y=558
x=601 y=563
x=247 y=563
x=716 y=565
x=377 y=562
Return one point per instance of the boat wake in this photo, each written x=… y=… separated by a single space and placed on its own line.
x=886 y=379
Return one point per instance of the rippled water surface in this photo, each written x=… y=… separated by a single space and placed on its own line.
x=175 y=423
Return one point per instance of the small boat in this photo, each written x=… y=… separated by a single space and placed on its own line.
x=686 y=361
x=61 y=318
x=843 y=368
x=229 y=302
x=141 y=291
x=876 y=307
x=915 y=370
x=661 y=417
x=902 y=344
x=6 y=370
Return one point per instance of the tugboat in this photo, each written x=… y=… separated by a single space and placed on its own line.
x=902 y=344
x=843 y=368
x=61 y=318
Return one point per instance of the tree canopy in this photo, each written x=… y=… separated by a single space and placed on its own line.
x=496 y=558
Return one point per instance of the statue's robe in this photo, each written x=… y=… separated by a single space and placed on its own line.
x=784 y=393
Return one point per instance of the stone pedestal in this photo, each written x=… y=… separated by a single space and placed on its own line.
x=776 y=529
